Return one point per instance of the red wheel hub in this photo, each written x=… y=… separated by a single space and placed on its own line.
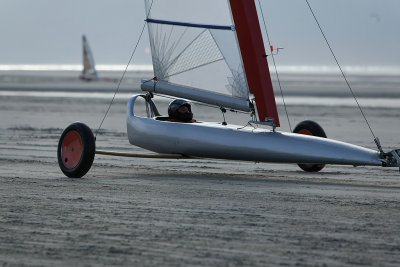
x=71 y=149
x=304 y=131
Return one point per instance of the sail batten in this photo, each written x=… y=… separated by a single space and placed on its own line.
x=193 y=25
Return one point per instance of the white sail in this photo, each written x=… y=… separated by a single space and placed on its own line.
x=89 y=71
x=194 y=45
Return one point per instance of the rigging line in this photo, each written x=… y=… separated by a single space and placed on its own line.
x=120 y=80
x=276 y=70
x=340 y=68
x=123 y=74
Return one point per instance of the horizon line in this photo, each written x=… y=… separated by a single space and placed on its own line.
x=290 y=69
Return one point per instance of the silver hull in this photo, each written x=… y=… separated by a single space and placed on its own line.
x=213 y=140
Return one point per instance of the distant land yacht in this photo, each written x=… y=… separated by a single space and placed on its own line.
x=89 y=72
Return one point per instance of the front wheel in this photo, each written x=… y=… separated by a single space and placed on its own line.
x=310 y=128
x=76 y=150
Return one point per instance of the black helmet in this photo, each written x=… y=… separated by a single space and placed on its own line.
x=173 y=110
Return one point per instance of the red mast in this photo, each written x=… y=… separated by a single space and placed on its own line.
x=255 y=63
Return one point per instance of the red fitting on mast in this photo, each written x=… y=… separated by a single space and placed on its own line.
x=255 y=63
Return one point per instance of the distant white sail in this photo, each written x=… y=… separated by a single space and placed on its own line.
x=89 y=71
x=197 y=48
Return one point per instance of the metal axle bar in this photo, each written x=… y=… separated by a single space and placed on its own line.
x=134 y=155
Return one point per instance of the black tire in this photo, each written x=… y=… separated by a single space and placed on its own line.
x=76 y=150
x=310 y=128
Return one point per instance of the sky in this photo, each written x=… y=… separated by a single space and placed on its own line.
x=361 y=32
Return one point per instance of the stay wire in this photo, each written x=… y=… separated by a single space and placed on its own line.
x=340 y=68
x=123 y=74
x=276 y=70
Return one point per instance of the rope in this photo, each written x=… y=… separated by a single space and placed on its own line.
x=123 y=74
x=120 y=80
x=276 y=70
x=340 y=68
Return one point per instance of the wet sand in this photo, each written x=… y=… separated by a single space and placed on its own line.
x=150 y=212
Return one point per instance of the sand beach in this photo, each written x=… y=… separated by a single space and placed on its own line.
x=154 y=212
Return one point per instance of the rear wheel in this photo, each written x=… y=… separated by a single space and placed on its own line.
x=310 y=128
x=76 y=150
